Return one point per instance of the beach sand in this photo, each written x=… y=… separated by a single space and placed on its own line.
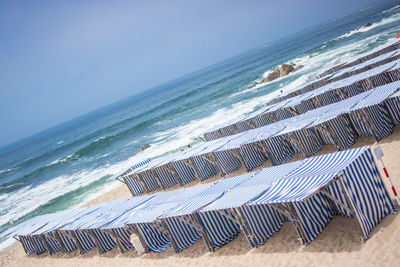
x=338 y=244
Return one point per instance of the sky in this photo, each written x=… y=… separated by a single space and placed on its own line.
x=62 y=59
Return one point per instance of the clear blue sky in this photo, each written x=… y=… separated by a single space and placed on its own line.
x=61 y=59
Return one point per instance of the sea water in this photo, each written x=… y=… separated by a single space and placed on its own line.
x=72 y=163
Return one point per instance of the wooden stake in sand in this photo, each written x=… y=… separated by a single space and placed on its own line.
x=379 y=154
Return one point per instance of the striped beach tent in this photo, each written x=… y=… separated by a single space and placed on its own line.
x=187 y=226
x=131 y=181
x=158 y=173
x=394 y=72
x=87 y=238
x=349 y=184
x=184 y=165
x=49 y=234
x=334 y=126
x=393 y=106
x=205 y=161
x=262 y=118
x=22 y=231
x=155 y=234
x=106 y=239
x=258 y=223
x=370 y=116
x=258 y=146
x=303 y=140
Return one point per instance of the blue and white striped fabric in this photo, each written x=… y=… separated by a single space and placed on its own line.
x=363 y=185
x=393 y=106
x=150 y=180
x=394 y=73
x=123 y=235
x=275 y=148
x=134 y=185
x=374 y=111
x=186 y=170
x=167 y=175
x=145 y=218
x=68 y=243
x=155 y=239
x=219 y=229
x=262 y=221
x=245 y=125
x=87 y=228
x=27 y=244
x=299 y=135
x=53 y=244
x=140 y=164
x=232 y=155
x=367 y=192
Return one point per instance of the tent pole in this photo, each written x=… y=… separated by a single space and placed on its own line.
x=189 y=164
x=251 y=237
x=174 y=174
x=365 y=116
x=119 y=179
x=288 y=212
x=238 y=156
x=203 y=233
x=297 y=220
x=390 y=181
x=326 y=127
x=293 y=137
x=250 y=123
x=139 y=233
x=336 y=201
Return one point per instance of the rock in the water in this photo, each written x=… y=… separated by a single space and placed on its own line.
x=285 y=69
x=282 y=71
x=367 y=25
x=272 y=76
x=143 y=147
x=298 y=67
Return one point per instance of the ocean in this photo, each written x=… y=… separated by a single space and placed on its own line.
x=72 y=163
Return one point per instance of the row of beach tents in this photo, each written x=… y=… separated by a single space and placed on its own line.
x=302 y=124
x=363 y=100
x=306 y=193
x=372 y=113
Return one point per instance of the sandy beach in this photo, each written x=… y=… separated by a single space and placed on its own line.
x=338 y=244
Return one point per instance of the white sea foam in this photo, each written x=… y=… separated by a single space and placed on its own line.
x=384 y=21
x=63 y=159
x=8 y=170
